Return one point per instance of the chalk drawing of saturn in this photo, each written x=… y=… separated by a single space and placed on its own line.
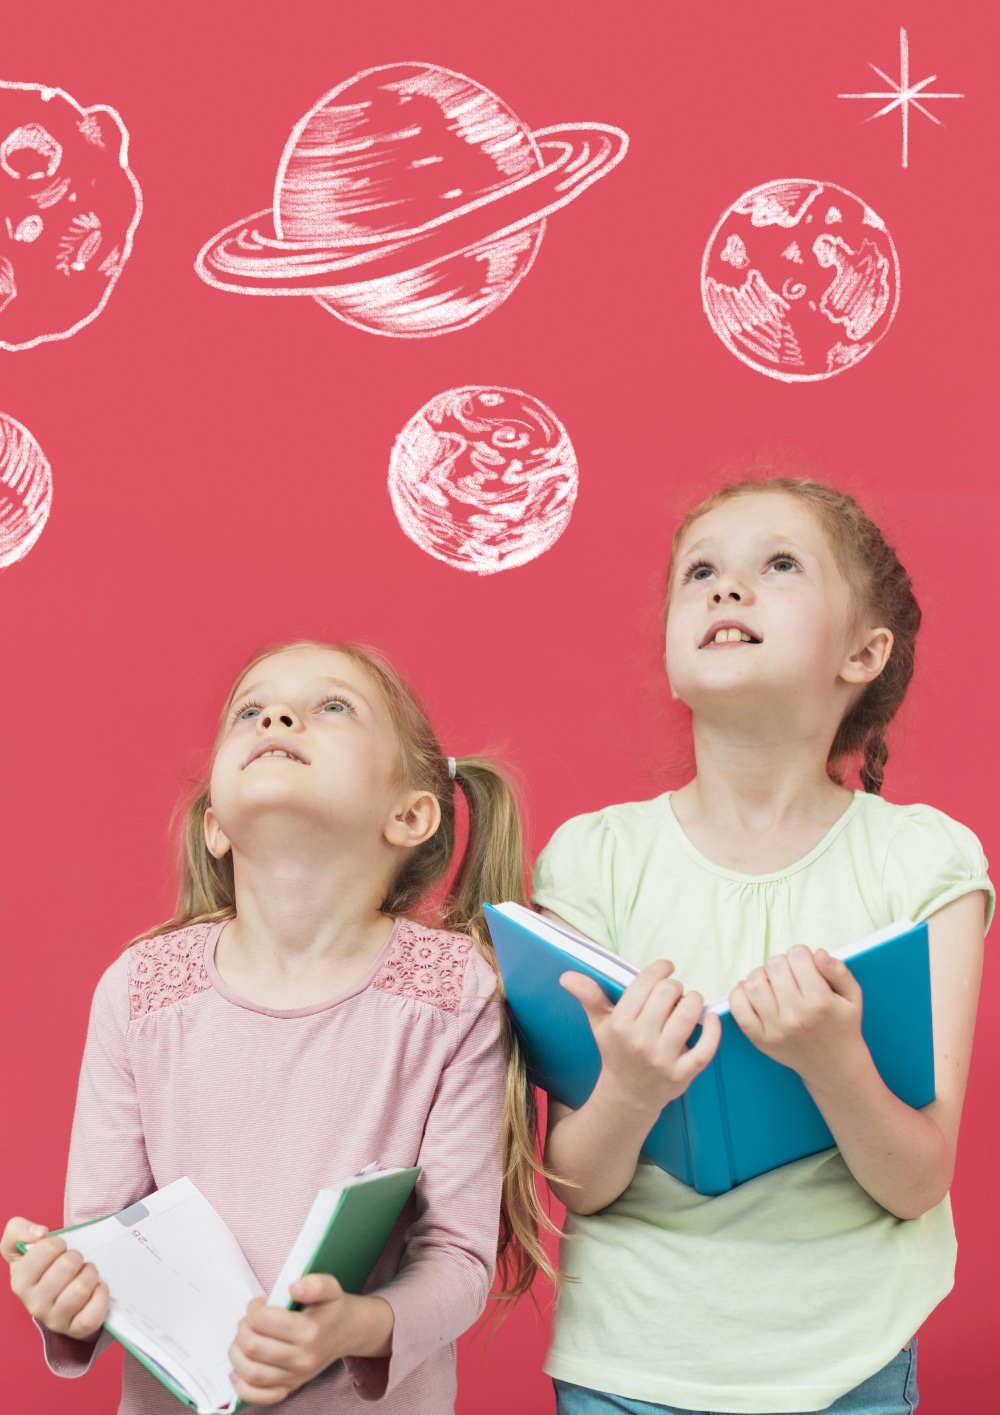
x=409 y=201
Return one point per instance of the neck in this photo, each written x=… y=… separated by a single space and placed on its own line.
x=759 y=776
x=299 y=909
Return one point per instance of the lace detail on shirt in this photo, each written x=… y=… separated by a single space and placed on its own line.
x=167 y=969
x=427 y=965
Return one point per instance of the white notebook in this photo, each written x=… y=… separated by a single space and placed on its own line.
x=179 y=1282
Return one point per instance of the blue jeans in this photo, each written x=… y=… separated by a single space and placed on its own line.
x=891 y=1391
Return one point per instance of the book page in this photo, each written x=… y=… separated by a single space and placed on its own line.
x=574 y=944
x=179 y=1283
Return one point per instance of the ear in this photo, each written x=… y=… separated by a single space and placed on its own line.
x=869 y=658
x=414 y=820
x=217 y=841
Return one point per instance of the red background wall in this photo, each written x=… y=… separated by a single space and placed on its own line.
x=220 y=480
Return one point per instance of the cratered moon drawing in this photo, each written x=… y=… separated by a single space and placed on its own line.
x=69 y=206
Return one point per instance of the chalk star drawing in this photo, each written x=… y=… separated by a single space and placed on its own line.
x=483 y=478
x=25 y=490
x=409 y=201
x=902 y=94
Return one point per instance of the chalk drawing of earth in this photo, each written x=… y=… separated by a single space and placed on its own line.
x=483 y=478
x=800 y=279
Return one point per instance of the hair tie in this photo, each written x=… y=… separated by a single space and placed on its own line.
x=452 y=767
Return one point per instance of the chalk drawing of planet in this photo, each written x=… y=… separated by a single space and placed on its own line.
x=25 y=491
x=69 y=206
x=483 y=478
x=409 y=201
x=800 y=279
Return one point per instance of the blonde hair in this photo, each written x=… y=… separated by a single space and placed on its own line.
x=881 y=593
x=491 y=870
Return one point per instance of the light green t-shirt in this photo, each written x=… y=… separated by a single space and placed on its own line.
x=796 y=1286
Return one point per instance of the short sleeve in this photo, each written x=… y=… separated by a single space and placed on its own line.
x=574 y=877
x=932 y=860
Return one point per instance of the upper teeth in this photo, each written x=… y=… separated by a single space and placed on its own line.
x=731 y=636
x=277 y=752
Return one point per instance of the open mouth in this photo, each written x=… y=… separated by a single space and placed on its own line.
x=275 y=751
x=728 y=634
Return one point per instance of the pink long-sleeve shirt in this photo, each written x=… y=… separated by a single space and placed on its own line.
x=262 y=1107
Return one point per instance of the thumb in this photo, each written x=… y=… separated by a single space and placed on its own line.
x=838 y=975
x=590 y=995
x=19 y=1230
x=317 y=1287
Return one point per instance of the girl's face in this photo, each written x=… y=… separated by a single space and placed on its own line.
x=308 y=741
x=758 y=606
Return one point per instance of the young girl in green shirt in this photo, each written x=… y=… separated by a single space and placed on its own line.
x=790 y=628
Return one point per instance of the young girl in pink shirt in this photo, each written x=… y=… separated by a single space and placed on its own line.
x=292 y=1023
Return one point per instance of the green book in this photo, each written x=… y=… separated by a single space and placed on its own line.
x=179 y=1282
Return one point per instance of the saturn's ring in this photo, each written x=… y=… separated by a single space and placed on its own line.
x=254 y=260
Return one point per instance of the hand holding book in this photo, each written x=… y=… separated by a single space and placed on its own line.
x=802 y=1009
x=749 y=1108
x=180 y=1287
x=644 y=1038
x=277 y=1351
x=58 y=1288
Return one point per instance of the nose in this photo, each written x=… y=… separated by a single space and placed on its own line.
x=278 y=715
x=729 y=587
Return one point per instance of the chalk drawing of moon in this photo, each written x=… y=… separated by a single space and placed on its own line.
x=800 y=279
x=69 y=206
x=483 y=478
x=25 y=491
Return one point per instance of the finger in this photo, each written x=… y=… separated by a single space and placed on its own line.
x=634 y=997
x=259 y=1327
x=257 y=1395
x=317 y=1287
x=267 y=1350
x=89 y=1320
x=277 y=1323
x=812 y=984
x=34 y=1264
x=744 y=1015
x=258 y=1373
x=590 y=995
x=661 y=1001
x=677 y=1028
x=19 y=1230
x=760 y=994
x=75 y=1296
x=58 y=1275
x=704 y=1049
x=784 y=985
x=838 y=975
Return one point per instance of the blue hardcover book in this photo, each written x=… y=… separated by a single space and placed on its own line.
x=745 y=1114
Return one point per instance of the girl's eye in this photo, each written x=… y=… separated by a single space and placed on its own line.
x=247 y=712
x=788 y=561
x=337 y=705
x=693 y=572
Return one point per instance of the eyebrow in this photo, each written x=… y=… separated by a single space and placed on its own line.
x=333 y=682
x=763 y=537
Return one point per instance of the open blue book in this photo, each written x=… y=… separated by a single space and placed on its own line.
x=744 y=1114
